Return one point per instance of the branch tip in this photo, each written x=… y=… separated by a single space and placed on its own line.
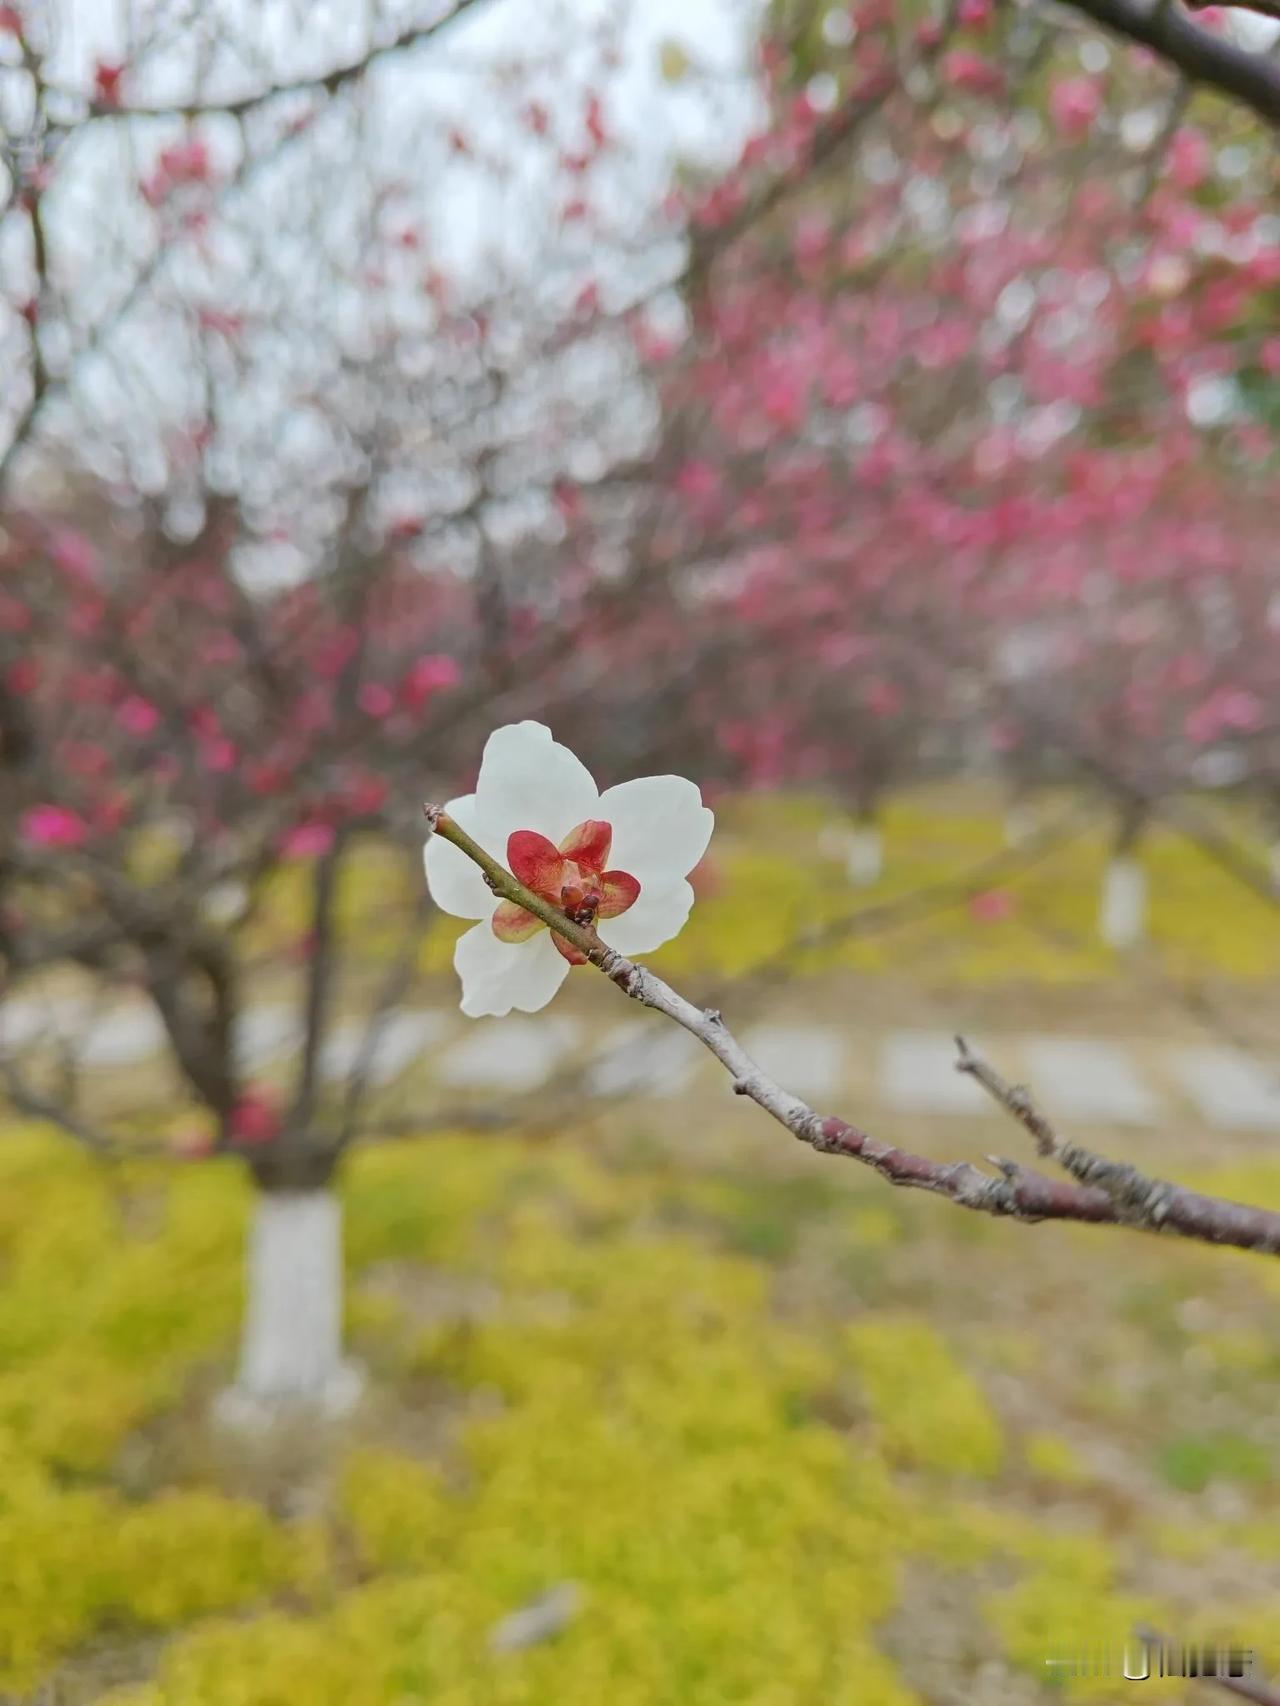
x=1097 y=1191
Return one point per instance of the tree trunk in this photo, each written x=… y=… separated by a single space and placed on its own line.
x=864 y=856
x=1122 y=916
x=864 y=849
x=1272 y=822
x=1019 y=823
x=291 y=1345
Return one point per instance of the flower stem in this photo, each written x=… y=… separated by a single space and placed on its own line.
x=501 y=881
x=1099 y=1192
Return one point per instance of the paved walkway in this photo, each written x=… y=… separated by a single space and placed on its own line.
x=1080 y=1078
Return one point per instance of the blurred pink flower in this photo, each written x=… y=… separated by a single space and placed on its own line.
x=1074 y=104
x=72 y=552
x=375 y=700
x=429 y=675
x=307 y=840
x=106 y=82
x=405 y=527
x=364 y=793
x=139 y=716
x=1188 y=159
x=1228 y=710
x=255 y=1118
x=966 y=70
x=111 y=811
x=53 y=826
x=218 y=755
x=992 y=906
x=697 y=479
x=191 y=1143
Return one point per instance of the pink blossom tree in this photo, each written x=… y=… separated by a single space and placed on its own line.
x=301 y=478
x=980 y=411
x=304 y=491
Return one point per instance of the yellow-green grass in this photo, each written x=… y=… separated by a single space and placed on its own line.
x=772 y=1421
x=770 y=887
x=772 y=884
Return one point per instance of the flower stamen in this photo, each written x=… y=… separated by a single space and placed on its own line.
x=570 y=877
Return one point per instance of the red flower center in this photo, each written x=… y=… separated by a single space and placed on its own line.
x=570 y=877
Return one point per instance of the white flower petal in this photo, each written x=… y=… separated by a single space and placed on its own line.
x=657 y=916
x=454 y=880
x=529 y=781
x=660 y=828
x=497 y=976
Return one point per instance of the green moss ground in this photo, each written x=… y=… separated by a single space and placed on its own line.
x=765 y=1462
x=770 y=886
x=795 y=1438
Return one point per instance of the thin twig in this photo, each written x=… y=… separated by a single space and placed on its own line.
x=325 y=82
x=394 y=987
x=1138 y=1198
x=105 y=1145
x=1209 y=60
x=1114 y=1195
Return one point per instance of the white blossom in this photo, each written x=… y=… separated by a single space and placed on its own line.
x=619 y=859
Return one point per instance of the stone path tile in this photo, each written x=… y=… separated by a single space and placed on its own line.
x=1230 y=1089
x=122 y=1038
x=918 y=1074
x=807 y=1060
x=25 y=1019
x=1076 y=1078
x=1086 y=1078
x=645 y=1060
x=264 y=1033
x=403 y=1038
x=99 y=1035
x=514 y=1053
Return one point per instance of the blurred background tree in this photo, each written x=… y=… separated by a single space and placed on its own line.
x=367 y=395
x=849 y=406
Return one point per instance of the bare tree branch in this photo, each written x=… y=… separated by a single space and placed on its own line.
x=1251 y=78
x=1101 y=1193
x=1264 y=8
x=328 y=82
x=393 y=988
x=322 y=953
x=838 y=128
x=31 y=1102
x=1138 y=1199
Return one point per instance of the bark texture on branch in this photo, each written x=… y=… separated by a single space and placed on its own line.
x=1098 y=1192
x=1251 y=78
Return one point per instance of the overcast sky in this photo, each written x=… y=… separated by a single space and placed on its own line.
x=477 y=222
x=304 y=37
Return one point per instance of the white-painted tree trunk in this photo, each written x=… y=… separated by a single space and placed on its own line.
x=1122 y=917
x=1273 y=861
x=1019 y=825
x=291 y=1348
x=864 y=856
